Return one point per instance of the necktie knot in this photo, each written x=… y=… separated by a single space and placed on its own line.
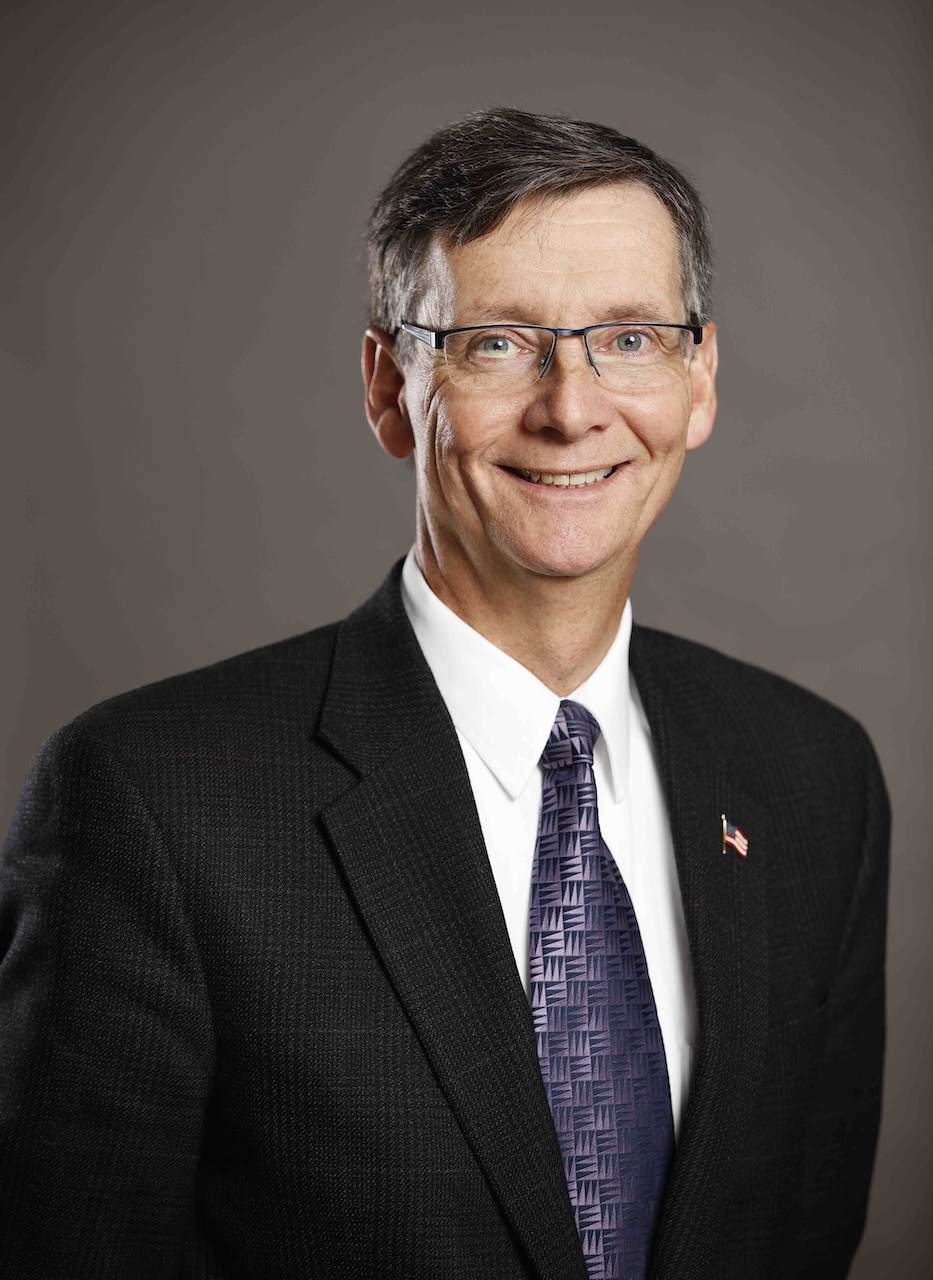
x=572 y=738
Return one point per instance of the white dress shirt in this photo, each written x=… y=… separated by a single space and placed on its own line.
x=503 y=715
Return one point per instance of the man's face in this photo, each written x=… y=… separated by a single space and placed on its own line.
x=605 y=253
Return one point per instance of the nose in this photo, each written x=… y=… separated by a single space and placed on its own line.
x=568 y=397
x=568 y=338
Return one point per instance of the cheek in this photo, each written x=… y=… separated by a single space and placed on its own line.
x=460 y=433
x=440 y=453
x=662 y=428
x=425 y=411
x=445 y=438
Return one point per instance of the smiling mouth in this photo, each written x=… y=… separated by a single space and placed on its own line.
x=566 y=479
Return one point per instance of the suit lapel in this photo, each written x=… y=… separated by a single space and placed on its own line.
x=409 y=841
x=724 y=907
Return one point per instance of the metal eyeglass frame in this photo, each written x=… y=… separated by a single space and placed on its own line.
x=437 y=337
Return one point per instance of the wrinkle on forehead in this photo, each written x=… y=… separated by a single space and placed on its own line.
x=569 y=244
x=583 y=207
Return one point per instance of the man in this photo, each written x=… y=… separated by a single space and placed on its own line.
x=478 y=935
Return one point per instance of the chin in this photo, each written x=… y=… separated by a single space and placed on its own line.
x=566 y=561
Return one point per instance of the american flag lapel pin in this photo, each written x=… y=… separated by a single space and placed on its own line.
x=732 y=836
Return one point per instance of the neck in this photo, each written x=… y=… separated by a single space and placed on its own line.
x=559 y=628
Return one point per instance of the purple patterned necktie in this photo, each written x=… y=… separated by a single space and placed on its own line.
x=599 y=1042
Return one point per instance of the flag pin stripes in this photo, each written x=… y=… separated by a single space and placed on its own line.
x=733 y=837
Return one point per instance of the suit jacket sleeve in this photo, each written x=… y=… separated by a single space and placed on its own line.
x=106 y=1045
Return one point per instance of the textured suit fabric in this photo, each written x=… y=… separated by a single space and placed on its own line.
x=259 y=1015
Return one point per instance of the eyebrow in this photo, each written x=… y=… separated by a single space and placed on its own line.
x=518 y=315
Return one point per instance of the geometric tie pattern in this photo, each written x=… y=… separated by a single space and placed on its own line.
x=596 y=1025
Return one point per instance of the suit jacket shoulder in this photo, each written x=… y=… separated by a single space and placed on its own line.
x=746 y=716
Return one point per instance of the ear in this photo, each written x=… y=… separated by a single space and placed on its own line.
x=703 y=381
x=384 y=383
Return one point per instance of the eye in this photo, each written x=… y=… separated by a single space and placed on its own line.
x=493 y=346
x=632 y=341
x=639 y=356
x=499 y=356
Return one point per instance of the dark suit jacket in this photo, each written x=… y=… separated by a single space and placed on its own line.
x=260 y=1016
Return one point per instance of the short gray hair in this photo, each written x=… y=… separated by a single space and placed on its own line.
x=464 y=181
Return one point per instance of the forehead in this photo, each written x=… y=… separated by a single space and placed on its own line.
x=597 y=253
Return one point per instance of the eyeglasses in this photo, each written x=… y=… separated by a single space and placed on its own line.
x=629 y=355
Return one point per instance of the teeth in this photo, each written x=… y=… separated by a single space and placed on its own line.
x=565 y=479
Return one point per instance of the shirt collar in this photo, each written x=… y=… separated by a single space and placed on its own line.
x=500 y=707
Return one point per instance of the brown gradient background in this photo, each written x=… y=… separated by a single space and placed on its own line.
x=186 y=467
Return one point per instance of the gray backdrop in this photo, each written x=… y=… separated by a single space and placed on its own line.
x=187 y=470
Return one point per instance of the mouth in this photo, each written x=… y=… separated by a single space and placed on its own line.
x=566 y=479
